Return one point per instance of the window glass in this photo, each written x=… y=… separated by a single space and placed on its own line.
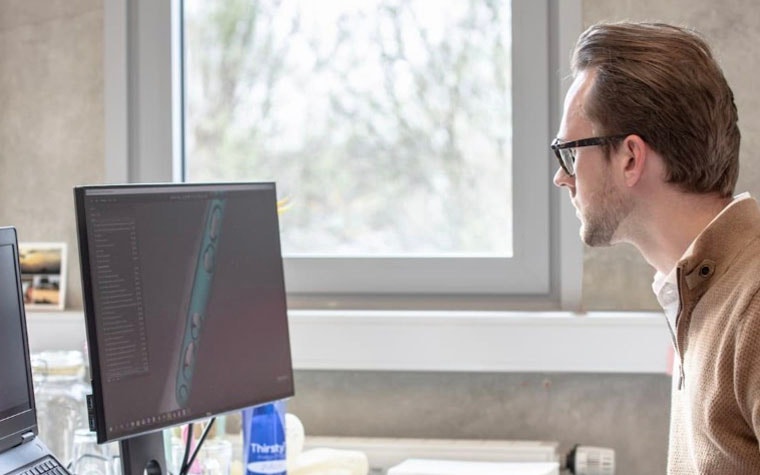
x=387 y=124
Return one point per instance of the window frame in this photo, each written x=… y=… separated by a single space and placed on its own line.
x=144 y=120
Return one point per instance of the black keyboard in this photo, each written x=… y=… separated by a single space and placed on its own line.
x=45 y=466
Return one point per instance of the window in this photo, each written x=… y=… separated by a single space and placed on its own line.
x=386 y=124
x=409 y=140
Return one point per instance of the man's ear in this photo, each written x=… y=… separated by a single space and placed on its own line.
x=633 y=153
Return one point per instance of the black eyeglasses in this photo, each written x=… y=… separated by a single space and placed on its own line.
x=565 y=151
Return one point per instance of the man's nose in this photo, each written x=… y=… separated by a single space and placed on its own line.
x=562 y=179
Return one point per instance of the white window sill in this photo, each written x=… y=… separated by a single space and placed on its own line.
x=614 y=342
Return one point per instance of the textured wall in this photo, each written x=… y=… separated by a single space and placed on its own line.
x=51 y=117
x=627 y=412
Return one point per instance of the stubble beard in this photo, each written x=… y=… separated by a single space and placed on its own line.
x=600 y=224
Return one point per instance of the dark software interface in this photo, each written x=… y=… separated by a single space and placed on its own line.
x=14 y=389
x=185 y=297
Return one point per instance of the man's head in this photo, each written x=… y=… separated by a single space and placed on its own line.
x=660 y=85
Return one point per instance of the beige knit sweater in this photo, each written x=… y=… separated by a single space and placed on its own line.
x=715 y=415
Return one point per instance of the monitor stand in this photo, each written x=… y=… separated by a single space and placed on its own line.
x=143 y=454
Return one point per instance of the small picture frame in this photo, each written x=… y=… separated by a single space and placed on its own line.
x=43 y=274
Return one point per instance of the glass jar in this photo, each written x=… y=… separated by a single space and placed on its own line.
x=60 y=393
x=91 y=458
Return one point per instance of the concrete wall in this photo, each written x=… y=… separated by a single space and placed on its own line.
x=51 y=118
x=627 y=412
x=51 y=138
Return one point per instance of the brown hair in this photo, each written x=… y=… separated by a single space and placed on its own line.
x=661 y=82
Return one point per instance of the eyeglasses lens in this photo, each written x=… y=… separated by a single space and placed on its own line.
x=568 y=160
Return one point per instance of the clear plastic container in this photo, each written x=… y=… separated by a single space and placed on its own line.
x=91 y=458
x=214 y=457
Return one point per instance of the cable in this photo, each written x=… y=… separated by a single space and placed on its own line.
x=188 y=444
x=186 y=464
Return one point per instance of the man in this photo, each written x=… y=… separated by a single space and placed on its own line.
x=649 y=152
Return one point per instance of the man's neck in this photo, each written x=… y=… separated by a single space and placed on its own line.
x=666 y=227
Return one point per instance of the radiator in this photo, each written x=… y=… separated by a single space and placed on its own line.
x=384 y=453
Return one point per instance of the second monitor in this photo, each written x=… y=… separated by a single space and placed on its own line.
x=184 y=302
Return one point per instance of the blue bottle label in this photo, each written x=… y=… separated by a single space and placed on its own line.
x=265 y=440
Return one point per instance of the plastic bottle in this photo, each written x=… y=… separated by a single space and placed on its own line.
x=264 y=439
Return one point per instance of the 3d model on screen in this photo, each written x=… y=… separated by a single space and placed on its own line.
x=199 y=288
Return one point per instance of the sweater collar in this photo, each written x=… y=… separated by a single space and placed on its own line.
x=720 y=242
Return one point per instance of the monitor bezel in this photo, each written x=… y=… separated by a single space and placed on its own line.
x=16 y=426
x=81 y=193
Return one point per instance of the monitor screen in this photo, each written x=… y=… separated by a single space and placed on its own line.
x=184 y=302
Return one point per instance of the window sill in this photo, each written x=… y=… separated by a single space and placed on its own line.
x=599 y=342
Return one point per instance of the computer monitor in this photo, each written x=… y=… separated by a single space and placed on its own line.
x=185 y=309
x=17 y=410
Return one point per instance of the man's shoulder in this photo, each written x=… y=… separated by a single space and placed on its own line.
x=735 y=230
